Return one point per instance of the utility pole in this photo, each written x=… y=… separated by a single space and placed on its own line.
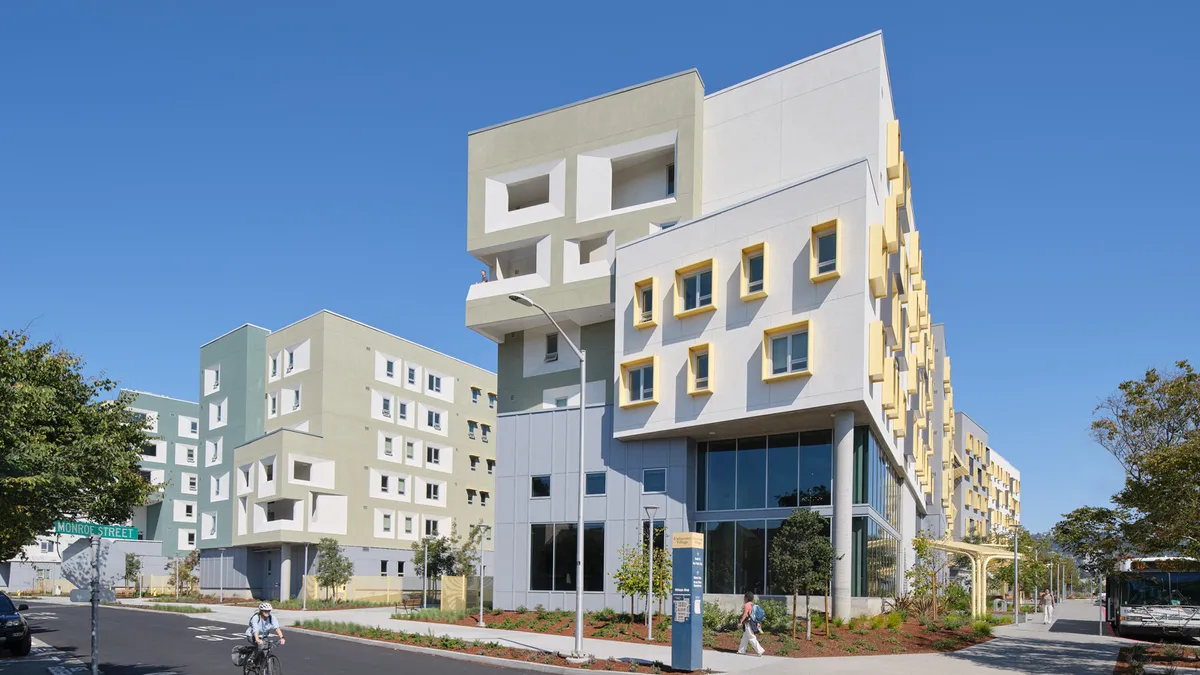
x=425 y=576
x=482 y=532
x=1016 y=577
x=304 y=577
x=96 y=608
x=650 y=511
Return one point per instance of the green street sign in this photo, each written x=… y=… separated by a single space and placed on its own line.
x=92 y=529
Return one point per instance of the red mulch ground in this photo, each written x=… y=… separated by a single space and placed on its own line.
x=908 y=638
x=1185 y=657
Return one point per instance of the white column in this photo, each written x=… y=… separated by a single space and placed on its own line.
x=285 y=571
x=843 y=507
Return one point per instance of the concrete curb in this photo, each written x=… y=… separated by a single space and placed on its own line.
x=461 y=656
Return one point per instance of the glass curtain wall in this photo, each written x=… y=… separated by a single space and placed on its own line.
x=736 y=555
x=875 y=553
x=779 y=471
x=552 y=557
x=875 y=484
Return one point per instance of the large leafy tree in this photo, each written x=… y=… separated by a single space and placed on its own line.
x=800 y=558
x=1152 y=427
x=334 y=569
x=65 y=453
x=1095 y=537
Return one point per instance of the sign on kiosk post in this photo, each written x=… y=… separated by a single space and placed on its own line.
x=687 y=600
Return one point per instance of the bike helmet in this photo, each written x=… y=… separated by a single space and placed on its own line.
x=264 y=606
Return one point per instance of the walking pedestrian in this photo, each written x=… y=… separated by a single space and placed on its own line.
x=1048 y=606
x=752 y=616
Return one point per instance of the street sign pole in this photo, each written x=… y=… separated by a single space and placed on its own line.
x=96 y=608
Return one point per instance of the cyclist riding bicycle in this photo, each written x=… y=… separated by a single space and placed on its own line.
x=261 y=625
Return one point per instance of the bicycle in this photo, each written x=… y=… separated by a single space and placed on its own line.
x=262 y=661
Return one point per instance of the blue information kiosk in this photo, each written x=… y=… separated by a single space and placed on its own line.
x=687 y=600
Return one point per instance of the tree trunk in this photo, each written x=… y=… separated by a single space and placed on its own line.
x=794 y=608
x=827 y=621
x=807 y=619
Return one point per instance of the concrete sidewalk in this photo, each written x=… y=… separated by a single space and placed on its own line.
x=1069 y=647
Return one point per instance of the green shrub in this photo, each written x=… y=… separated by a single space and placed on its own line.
x=877 y=621
x=982 y=628
x=954 y=622
x=957 y=599
x=946 y=644
x=777 y=619
x=894 y=620
x=854 y=621
x=837 y=622
x=719 y=620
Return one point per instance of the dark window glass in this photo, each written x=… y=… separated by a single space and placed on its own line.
x=670 y=180
x=783 y=471
x=827 y=252
x=593 y=556
x=539 y=486
x=752 y=472
x=858 y=558
x=595 y=483
x=719 y=557
x=654 y=480
x=6 y=605
x=751 y=563
x=773 y=527
x=754 y=275
x=541 y=557
x=564 y=557
x=722 y=472
x=816 y=467
x=660 y=533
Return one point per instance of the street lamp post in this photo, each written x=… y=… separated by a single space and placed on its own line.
x=1016 y=578
x=221 y=574
x=650 y=511
x=521 y=299
x=425 y=575
x=304 y=581
x=482 y=533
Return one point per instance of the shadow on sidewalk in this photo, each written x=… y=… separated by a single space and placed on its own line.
x=1052 y=657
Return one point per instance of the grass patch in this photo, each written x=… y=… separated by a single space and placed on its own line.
x=980 y=628
x=435 y=615
x=178 y=609
x=297 y=603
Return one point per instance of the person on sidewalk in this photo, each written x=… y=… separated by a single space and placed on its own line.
x=1048 y=606
x=751 y=615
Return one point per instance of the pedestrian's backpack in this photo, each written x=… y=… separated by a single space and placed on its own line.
x=757 y=614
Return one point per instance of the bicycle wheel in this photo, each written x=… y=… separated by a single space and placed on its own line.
x=273 y=667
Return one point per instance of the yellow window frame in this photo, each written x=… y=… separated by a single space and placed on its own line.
x=795 y=327
x=748 y=253
x=638 y=321
x=627 y=366
x=680 y=312
x=817 y=232
x=693 y=352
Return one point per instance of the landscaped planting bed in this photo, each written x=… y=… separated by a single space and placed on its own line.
x=163 y=607
x=895 y=633
x=1134 y=660
x=476 y=647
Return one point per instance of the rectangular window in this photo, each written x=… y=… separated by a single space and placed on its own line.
x=296 y=400
x=475 y=392
x=470 y=496
x=491 y=466
x=697 y=290
x=539 y=487
x=47 y=547
x=383 y=483
x=192 y=483
x=789 y=353
x=433 y=455
x=387 y=407
x=191 y=538
x=390 y=371
x=646 y=312
x=410 y=450
x=492 y=401
x=400 y=486
x=434 y=420
x=270 y=471
x=149 y=450
x=412 y=375
x=194 y=426
x=274 y=404
x=551 y=347
x=387 y=445
x=274 y=366
x=486 y=431
x=595 y=483
x=191 y=455
x=754 y=275
x=216 y=379
x=698 y=370
x=474 y=462
x=387 y=527
x=471 y=424
x=751 y=472
x=483 y=498
x=671 y=180
x=188 y=511
x=433 y=492
x=408 y=524
x=431 y=528
x=654 y=481
x=401 y=410
x=827 y=252
x=435 y=383
x=383 y=572
x=552 y=557
x=641 y=383
x=220 y=411
x=561 y=402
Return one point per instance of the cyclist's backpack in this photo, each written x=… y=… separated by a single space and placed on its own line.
x=757 y=615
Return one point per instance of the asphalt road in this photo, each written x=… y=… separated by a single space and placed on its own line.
x=149 y=643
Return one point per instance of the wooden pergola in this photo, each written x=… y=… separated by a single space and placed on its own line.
x=981 y=556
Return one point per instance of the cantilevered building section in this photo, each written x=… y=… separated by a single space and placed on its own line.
x=745 y=273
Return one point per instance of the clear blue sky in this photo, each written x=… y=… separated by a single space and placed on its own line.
x=169 y=171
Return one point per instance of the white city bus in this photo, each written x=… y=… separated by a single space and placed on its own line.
x=1154 y=597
